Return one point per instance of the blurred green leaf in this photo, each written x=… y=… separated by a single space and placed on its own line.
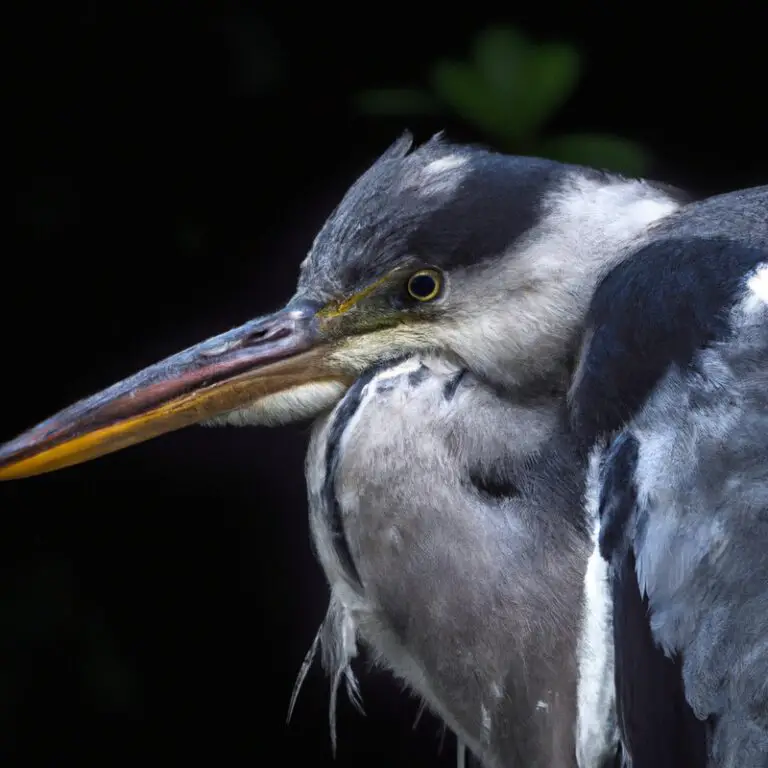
x=466 y=91
x=397 y=101
x=553 y=72
x=509 y=90
x=257 y=58
x=528 y=82
x=501 y=57
x=597 y=151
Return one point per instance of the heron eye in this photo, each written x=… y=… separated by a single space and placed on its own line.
x=424 y=285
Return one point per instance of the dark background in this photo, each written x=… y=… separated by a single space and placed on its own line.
x=170 y=165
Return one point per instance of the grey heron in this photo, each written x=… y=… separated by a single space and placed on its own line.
x=476 y=257
x=483 y=258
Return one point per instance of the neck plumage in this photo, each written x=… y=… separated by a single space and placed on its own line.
x=536 y=295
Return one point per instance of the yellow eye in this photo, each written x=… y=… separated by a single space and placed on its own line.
x=424 y=285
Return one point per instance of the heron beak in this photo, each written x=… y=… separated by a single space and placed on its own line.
x=263 y=357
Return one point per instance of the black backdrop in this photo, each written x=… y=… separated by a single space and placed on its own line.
x=170 y=166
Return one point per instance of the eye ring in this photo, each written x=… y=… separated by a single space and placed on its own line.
x=424 y=285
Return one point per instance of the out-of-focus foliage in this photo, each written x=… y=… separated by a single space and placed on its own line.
x=257 y=60
x=509 y=90
x=43 y=618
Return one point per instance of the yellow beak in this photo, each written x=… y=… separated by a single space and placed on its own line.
x=263 y=357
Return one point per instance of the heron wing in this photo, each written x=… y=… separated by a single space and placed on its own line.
x=675 y=370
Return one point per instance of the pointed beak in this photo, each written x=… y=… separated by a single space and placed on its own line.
x=261 y=358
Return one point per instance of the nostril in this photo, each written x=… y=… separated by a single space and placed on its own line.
x=272 y=333
x=256 y=335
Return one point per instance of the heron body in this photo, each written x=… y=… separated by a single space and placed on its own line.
x=674 y=382
x=535 y=277
x=470 y=589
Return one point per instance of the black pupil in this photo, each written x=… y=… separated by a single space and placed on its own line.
x=422 y=286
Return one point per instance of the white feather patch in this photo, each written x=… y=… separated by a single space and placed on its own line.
x=758 y=286
x=596 y=731
x=303 y=402
x=442 y=176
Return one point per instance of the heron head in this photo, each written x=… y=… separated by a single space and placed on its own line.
x=479 y=256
